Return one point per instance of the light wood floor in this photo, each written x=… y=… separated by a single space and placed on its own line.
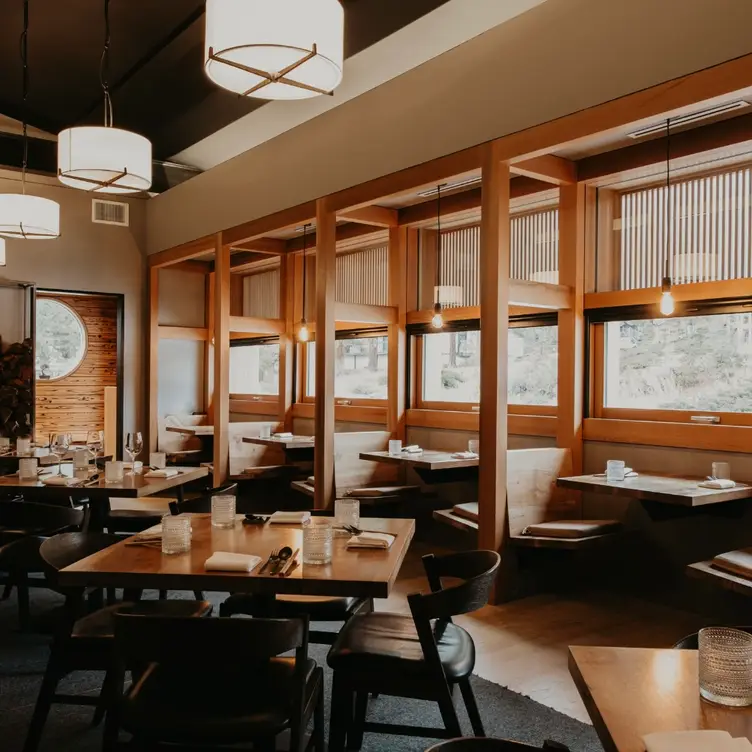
x=523 y=645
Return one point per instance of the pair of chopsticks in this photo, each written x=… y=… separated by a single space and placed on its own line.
x=290 y=564
x=150 y=540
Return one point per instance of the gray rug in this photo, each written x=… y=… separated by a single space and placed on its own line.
x=23 y=658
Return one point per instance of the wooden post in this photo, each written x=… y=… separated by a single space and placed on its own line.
x=397 y=337
x=494 y=305
x=153 y=381
x=287 y=340
x=236 y=295
x=326 y=257
x=209 y=348
x=221 y=402
x=571 y=385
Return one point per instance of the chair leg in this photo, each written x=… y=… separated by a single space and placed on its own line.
x=199 y=595
x=341 y=715
x=43 y=705
x=355 y=735
x=472 y=707
x=7 y=590
x=449 y=714
x=162 y=595
x=319 y=743
x=105 y=697
x=24 y=614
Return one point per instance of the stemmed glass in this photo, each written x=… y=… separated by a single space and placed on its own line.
x=59 y=446
x=95 y=444
x=133 y=446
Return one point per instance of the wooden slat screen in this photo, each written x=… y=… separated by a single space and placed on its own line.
x=362 y=276
x=261 y=294
x=460 y=263
x=711 y=231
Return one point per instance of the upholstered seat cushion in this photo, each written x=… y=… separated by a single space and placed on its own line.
x=317 y=607
x=737 y=562
x=202 y=706
x=375 y=492
x=385 y=642
x=573 y=528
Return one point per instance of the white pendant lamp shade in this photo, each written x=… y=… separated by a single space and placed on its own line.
x=104 y=160
x=275 y=49
x=29 y=217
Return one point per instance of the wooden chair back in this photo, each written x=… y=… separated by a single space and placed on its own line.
x=352 y=472
x=494 y=745
x=44 y=519
x=202 y=504
x=171 y=442
x=532 y=493
x=244 y=455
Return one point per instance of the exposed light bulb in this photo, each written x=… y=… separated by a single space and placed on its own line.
x=437 y=322
x=303 y=333
x=667 y=299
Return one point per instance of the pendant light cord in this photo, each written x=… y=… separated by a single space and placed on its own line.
x=669 y=205
x=25 y=85
x=438 y=246
x=305 y=239
x=104 y=67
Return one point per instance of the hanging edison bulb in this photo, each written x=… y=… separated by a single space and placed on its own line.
x=667 y=299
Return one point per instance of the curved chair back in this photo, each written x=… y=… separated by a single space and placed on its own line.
x=26 y=517
x=493 y=745
x=691 y=641
x=65 y=549
x=202 y=504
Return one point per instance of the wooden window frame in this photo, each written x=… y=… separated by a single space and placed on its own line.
x=244 y=400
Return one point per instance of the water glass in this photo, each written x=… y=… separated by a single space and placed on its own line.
x=265 y=432
x=176 y=534
x=317 y=541
x=27 y=468
x=395 y=447
x=347 y=512
x=4 y=443
x=721 y=470
x=23 y=445
x=223 y=511
x=473 y=446
x=158 y=460
x=615 y=470
x=725 y=659
x=113 y=471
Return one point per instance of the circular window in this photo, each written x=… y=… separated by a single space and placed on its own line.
x=61 y=340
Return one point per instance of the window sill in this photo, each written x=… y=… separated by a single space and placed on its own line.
x=254 y=407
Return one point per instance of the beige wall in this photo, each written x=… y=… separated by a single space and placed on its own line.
x=91 y=258
x=563 y=56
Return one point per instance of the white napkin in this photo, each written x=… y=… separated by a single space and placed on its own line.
x=695 y=741
x=282 y=435
x=371 y=540
x=717 y=483
x=412 y=449
x=165 y=472
x=290 y=518
x=61 y=480
x=465 y=455
x=230 y=562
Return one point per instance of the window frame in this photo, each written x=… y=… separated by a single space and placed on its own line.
x=259 y=399
x=77 y=316
x=596 y=362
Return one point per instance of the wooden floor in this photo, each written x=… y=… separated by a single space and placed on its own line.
x=523 y=645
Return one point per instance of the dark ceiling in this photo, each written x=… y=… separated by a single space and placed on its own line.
x=157 y=80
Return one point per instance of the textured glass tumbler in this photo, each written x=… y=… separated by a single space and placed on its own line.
x=725 y=658
x=317 y=541
x=347 y=512
x=395 y=447
x=473 y=446
x=223 y=511
x=176 y=534
x=615 y=470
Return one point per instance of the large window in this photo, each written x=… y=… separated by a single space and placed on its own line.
x=60 y=339
x=254 y=369
x=671 y=368
x=449 y=368
x=360 y=369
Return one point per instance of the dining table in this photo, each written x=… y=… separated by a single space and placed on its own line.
x=433 y=466
x=296 y=448
x=356 y=572
x=630 y=692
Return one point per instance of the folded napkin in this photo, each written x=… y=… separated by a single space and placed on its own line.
x=282 y=435
x=695 y=741
x=165 y=472
x=61 y=480
x=371 y=540
x=290 y=518
x=412 y=449
x=230 y=562
x=717 y=483
x=465 y=455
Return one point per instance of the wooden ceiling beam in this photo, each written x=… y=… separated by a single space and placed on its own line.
x=266 y=246
x=378 y=216
x=349 y=231
x=183 y=252
x=281 y=220
x=548 y=168
x=195 y=267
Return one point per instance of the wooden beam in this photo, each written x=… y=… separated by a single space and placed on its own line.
x=465 y=313
x=326 y=257
x=255 y=325
x=494 y=302
x=152 y=398
x=526 y=294
x=196 y=334
x=209 y=348
x=195 y=267
x=397 y=334
x=221 y=361
x=265 y=246
x=183 y=252
x=548 y=168
x=571 y=381
x=365 y=314
x=378 y=216
x=349 y=231
x=287 y=341
x=281 y=220
x=236 y=294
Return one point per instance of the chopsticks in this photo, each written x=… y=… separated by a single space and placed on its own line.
x=289 y=564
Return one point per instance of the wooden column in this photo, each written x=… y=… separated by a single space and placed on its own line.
x=221 y=402
x=209 y=348
x=326 y=256
x=287 y=340
x=571 y=386
x=494 y=304
x=153 y=365
x=397 y=337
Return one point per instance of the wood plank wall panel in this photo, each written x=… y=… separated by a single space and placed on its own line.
x=76 y=402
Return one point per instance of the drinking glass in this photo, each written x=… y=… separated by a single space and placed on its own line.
x=23 y=445
x=395 y=447
x=725 y=659
x=134 y=443
x=95 y=444
x=265 y=432
x=27 y=468
x=223 y=511
x=158 y=460
x=113 y=471
x=59 y=445
x=721 y=470
x=474 y=446
x=347 y=511
x=615 y=470
x=317 y=541
x=176 y=534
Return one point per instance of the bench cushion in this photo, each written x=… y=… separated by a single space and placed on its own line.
x=737 y=562
x=573 y=528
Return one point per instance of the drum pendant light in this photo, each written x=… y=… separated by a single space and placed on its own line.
x=275 y=49
x=104 y=159
x=21 y=216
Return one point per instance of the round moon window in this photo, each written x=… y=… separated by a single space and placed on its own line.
x=60 y=340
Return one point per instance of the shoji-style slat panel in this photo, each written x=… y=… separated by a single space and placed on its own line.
x=363 y=276
x=460 y=263
x=710 y=231
x=261 y=295
x=535 y=246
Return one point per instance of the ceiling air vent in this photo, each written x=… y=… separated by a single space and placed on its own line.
x=109 y=212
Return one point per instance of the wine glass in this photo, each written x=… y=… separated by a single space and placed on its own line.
x=59 y=446
x=134 y=443
x=95 y=444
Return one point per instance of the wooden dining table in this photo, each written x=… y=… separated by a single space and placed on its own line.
x=431 y=465
x=352 y=572
x=192 y=430
x=630 y=692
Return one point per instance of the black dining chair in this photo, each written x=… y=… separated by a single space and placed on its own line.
x=202 y=504
x=243 y=691
x=691 y=641
x=84 y=641
x=422 y=655
x=486 y=744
